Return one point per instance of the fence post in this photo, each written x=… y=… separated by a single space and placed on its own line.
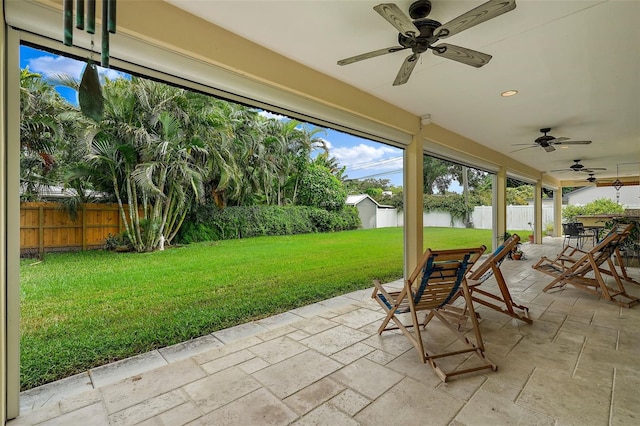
x=41 y=230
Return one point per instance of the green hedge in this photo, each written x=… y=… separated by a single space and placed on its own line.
x=598 y=206
x=208 y=223
x=452 y=203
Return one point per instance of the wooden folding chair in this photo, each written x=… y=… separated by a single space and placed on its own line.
x=435 y=281
x=490 y=267
x=569 y=255
x=585 y=269
x=626 y=228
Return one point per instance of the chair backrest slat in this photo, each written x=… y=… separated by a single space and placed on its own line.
x=484 y=271
x=442 y=274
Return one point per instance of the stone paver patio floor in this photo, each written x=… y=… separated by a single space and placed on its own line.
x=325 y=364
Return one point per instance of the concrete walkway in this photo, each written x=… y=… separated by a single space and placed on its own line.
x=325 y=364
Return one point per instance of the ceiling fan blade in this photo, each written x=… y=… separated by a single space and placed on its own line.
x=368 y=55
x=591 y=169
x=549 y=148
x=521 y=149
x=392 y=13
x=572 y=143
x=406 y=69
x=462 y=54
x=559 y=140
x=484 y=12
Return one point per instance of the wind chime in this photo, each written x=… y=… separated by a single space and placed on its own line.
x=617 y=184
x=90 y=92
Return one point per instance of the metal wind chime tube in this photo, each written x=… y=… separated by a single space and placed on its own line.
x=91 y=16
x=111 y=19
x=108 y=22
x=104 y=59
x=80 y=14
x=67 y=14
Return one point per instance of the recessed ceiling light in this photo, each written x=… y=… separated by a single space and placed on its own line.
x=508 y=93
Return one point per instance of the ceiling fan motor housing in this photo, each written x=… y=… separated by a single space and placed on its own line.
x=420 y=9
x=422 y=42
x=577 y=166
x=544 y=140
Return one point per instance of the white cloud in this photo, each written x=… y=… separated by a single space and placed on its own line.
x=49 y=65
x=363 y=157
x=111 y=74
x=268 y=114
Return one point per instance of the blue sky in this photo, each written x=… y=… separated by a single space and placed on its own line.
x=362 y=157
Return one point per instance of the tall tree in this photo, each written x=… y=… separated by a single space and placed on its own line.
x=159 y=149
x=153 y=157
x=42 y=132
x=437 y=175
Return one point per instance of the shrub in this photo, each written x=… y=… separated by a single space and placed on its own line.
x=599 y=206
x=120 y=242
x=208 y=223
x=452 y=203
x=324 y=221
x=319 y=188
x=193 y=233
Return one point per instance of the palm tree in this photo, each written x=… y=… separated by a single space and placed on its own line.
x=227 y=130
x=160 y=149
x=305 y=142
x=41 y=131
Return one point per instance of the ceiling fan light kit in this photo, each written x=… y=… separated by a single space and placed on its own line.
x=421 y=33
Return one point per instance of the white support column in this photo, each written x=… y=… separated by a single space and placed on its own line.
x=3 y=228
x=413 y=204
x=500 y=207
x=557 y=212
x=10 y=222
x=537 y=212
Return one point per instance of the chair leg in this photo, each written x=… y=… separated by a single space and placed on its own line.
x=477 y=349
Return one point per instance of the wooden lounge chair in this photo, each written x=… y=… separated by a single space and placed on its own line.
x=569 y=255
x=490 y=267
x=434 y=282
x=586 y=270
x=620 y=262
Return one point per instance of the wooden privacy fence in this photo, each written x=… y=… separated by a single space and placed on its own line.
x=48 y=227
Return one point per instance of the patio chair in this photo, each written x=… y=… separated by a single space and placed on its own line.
x=588 y=233
x=574 y=231
x=490 y=267
x=633 y=247
x=623 y=230
x=585 y=269
x=434 y=282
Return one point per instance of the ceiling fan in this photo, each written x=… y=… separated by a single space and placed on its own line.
x=421 y=34
x=577 y=167
x=591 y=178
x=547 y=142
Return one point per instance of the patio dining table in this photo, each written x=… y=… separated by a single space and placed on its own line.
x=595 y=230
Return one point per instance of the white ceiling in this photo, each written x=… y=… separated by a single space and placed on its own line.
x=576 y=65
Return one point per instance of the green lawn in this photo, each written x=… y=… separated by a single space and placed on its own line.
x=84 y=309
